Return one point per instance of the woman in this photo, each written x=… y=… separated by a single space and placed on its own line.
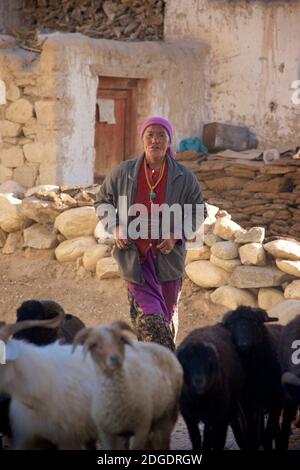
x=152 y=266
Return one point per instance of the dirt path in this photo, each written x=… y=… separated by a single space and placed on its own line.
x=28 y=276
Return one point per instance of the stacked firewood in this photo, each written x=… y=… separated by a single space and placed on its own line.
x=110 y=19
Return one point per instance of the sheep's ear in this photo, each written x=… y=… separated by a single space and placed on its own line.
x=269 y=319
x=121 y=325
x=81 y=337
x=126 y=340
x=89 y=338
x=262 y=315
x=226 y=318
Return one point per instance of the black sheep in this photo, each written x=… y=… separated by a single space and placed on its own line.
x=38 y=310
x=68 y=328
x=258 y=348
x=213 y=380
x=42 y=310
x=290 y=367
x=4 y=419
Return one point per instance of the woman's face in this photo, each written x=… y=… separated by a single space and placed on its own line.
x=155 y=141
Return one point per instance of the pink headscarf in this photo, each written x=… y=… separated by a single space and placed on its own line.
x=158 y=121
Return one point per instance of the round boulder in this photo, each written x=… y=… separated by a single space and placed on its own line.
x=77 y=222
x=205 y=274
x=232 y=297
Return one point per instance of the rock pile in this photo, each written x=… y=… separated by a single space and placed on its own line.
x=241 y=267
x=60 y=220
x=237 y=266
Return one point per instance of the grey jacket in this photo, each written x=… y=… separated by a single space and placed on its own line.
x=182 y=188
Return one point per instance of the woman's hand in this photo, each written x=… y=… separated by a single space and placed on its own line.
x=167 y=245
x=120 y=236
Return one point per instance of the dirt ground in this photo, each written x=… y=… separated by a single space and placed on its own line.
x=28 y=275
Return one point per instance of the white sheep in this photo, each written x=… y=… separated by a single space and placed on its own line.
x=138 y=388
x=51 y=391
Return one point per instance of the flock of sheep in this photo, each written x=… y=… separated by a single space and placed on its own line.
x=65 y=386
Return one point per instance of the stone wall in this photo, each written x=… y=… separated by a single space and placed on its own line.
x=25 y=157
x=254 y=193
x=242 y=267
x=28 y=127
x=237 y=266
x=58 y=88
x=58 y=221
x=243 y=81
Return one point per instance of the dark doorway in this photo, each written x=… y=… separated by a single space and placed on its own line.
x=115 y=128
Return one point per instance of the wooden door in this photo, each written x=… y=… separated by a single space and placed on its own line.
x=115 y=124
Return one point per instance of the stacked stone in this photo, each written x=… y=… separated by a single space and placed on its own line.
x=240 y=269
x=254 y=193
x=28 y=133
x=238 y=265
x=61 y=221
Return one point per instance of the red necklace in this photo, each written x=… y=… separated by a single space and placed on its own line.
x=152 y=194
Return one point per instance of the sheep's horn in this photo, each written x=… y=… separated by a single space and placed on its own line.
x=121 y=325
x=7 y=331
x=52 y=307
x=291 y=379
